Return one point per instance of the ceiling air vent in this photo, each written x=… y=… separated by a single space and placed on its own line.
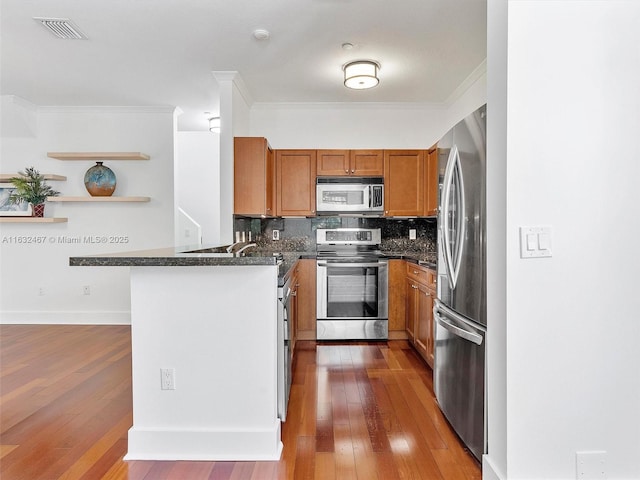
x=61 y=28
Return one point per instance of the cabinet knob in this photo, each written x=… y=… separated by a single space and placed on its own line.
x=353 y=171
x=416 y=272
x=346 y=171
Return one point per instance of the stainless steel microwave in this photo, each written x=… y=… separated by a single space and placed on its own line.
x=350 y=195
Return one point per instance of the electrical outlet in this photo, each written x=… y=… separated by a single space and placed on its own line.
x=276 y=235
x=86 y=290
x=412 y=234
x=41 y=291
x=168 y=378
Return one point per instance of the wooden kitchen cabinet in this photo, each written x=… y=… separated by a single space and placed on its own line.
x=254 y=177
x=431 y=183
x=397 y=299
x=306 y=298
x=420 y=283
x=404 y=172
x=295 y=183
x=362 y=163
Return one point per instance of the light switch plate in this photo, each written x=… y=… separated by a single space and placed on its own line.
x=535 y=242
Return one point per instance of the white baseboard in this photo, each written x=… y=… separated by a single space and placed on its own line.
x=65 y=318
x=489 y=471
x=206 y=445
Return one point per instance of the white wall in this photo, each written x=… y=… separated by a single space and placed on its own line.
x=28 y=267
x=573 y=103
x=366 y=125
x=197 y=181
x=494 y=464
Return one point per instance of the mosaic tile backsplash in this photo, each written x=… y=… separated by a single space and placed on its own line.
x=299 y=234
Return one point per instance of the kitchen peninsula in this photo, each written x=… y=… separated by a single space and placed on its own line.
x=204 y=340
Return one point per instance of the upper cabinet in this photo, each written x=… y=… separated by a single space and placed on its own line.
x=282 y=183
x=295 y=183
x=362 y=163
x=404 y=174
x=254 y=177
x=431 y=183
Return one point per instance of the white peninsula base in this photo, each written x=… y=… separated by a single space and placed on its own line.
x=216 y=327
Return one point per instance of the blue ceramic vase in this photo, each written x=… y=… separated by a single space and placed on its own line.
x=100 y=180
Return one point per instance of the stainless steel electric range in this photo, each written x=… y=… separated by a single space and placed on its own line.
x=352 y=301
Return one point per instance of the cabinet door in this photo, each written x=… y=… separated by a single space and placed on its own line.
x=295 y=182
x=254 y=177
x=333 y=162
x=404 y=183
x=306 y=284
x=367 y=163
x=397 y=297
x=424 y=323
x=431 y=183
x=412 y=309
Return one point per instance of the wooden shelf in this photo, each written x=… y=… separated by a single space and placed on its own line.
x=98 y=156
x=32 y=220
x=98 y=199
x=5 y=177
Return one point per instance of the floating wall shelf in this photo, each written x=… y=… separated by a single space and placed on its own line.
x=5 y=177
x=32 y=220
x=98 y=156
x=98 y=199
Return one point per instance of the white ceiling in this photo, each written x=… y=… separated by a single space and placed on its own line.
x=163 y=52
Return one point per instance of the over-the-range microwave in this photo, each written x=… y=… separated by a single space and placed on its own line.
x=350 y=195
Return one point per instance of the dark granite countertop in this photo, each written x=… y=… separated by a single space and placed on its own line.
x=175 y=257
x=217 y=256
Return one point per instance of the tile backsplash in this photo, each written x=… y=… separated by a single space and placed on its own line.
x=299 y=234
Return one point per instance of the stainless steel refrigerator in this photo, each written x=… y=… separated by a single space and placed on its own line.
x=460 y=311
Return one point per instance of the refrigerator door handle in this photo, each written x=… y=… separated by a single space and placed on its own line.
x=455 y=329
x=460 y=230
x=453 y=259
x=446 y=193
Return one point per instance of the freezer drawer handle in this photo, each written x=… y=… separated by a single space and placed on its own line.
x=460 y=332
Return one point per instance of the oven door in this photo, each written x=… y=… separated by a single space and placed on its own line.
x=352 y=300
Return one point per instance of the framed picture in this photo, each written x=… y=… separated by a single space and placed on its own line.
x=8 y=209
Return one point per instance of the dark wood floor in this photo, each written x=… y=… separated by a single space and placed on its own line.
x=357 y=411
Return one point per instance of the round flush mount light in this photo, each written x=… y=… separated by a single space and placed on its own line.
x=261 y=34
x=361 y=74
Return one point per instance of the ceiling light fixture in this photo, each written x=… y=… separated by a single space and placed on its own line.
x=361 y=74
x=214 y=124
x=261 y=34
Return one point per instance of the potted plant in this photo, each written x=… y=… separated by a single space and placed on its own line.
x=31 y=188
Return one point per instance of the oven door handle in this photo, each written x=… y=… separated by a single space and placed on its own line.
x=348 y=264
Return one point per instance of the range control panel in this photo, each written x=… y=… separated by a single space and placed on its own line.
x=343 y=236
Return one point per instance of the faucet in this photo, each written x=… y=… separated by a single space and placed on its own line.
x=245 y=247
x=232 y=246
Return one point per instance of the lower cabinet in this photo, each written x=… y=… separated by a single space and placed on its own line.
x=306 y=298
x=420 y=287
x=397 y=300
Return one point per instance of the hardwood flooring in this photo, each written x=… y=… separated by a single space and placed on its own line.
x=357 y=411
